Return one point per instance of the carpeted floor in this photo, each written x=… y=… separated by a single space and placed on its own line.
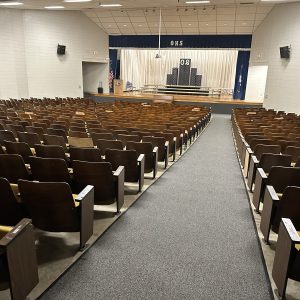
x=190 y=236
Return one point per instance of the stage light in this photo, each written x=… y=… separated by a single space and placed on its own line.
x=11 y=3
x=110 y=5
x=55 y=7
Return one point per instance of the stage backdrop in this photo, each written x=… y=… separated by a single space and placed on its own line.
x=140 y=67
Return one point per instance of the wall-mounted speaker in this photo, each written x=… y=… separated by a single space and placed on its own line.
x=61 y=49
x=285 y=52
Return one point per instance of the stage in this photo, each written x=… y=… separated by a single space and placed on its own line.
x=219 y=105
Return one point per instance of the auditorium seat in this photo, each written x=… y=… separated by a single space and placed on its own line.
x=18 y=261
x=150 y=152
x=55 y=140
x=103 y=144
x=134 y=164
x=124 y=138
x=31 y=139
x=108 y=184
x=60 y=132
x=50 y=151
x=85 y=154
x=38 y=130
x=279 y=178
x=52 y=208
x=293 y=151
x=20 y=148
x=287 y=256
x=12 y=167
x=101 y=136
x=6 y=135
x=288 y=206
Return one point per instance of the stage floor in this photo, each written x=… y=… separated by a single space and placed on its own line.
x=179 y=98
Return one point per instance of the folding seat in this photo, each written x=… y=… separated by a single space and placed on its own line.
x=85 y=154
x=12 y=167
x=150 y=152
x=41 y=124
x=78 y=134
x=31 y=139
x=293 y=151
x=77 y=128
x=102 y=136
x=60 y=126
x=20 y=148
x=50 y=169
x=255 y=156
x=55 y=140
x=287 y=256
x=286 y=143
x=274 y=209
x=141 y=134
x=60 y=132
x=103 y=145
x=50 y=151
x=18 y=261
x=52 y=208
x=134 y=164
x=279 y=178
x=38 y=130
x=24 y=123
x=6 y=135
x=172 y=142
x=124 y=138
x=109 y=185
x=15 y=129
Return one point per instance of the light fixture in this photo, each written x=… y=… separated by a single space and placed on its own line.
x=77 y=1
x=197 y=2
x=55 y=7
x=11 y=3
x=110 y=5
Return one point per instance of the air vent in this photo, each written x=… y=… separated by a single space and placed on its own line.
x=246 y=3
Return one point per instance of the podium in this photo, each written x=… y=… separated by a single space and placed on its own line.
x=118 y=87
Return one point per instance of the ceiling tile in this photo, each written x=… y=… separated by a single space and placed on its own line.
x=122 y=19
x=106 y=20
x=225 y=17
x=109 y=25
x=191 y=30
x=210 y=30
x=243 y=29
x=226 y=10
x=172 y=24
x=203 y=18
x=208 y=24
x=189 y=18
x=171 y=18
x=260 y=16
x=140 y=25
x=135 y=13
x=119 y=13
x=229 y=29
x=189 y=24
x=244 y=23
x=138 y=19
x=264 y=9
x=245 y=17
x=225 y=23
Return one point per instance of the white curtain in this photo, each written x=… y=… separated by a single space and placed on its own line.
x=140 y=66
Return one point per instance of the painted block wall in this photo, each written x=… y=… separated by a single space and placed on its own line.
x=29 y=64
x=280 y=28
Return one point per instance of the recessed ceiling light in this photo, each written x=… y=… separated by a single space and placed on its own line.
x=11 y=3
x=110 y=5
x=125 y=25
x=74 y=1
x=197 y=2
x=140 y=25
x=206 y=24
x=190 y=24
x=55 y=7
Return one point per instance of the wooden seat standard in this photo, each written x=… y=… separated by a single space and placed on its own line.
x=109 y=185
x=18 y=261
x=134 y=164
x=274 y=209
x=52 y=207
x=150 y=152
x=287 y=257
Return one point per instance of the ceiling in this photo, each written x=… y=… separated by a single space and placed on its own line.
x=140 y=17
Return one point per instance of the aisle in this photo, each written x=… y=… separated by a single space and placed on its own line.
x=190 y=236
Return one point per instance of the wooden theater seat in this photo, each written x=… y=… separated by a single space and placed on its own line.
x=108 y=184
x=287 y=257
x=85 y=154
x=275 y=208
x=103 y=144
x=31 y=139
x=50 y=151
x=52 y=207
x=20 y=148
x=150 y=152
x=134 y=164
x=55 y=140
x=293 y=151
x=6 y=135
x=124 y=138
x=18 y=261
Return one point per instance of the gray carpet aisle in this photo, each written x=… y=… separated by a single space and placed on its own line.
x=190 y=236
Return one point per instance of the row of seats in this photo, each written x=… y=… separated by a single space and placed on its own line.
x=268 y=147
x=60 y=157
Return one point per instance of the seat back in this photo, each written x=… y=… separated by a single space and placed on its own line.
x=20 y=148
x=85 y=154
x=31 y=139
x=102 y=145
x=50 y=151
x=49 y=169
x=281 y=177
x=50 y=205
x=269 y=160
x=39 y=130
x=143 y=148
x=98 y=174
x=12 y=167
x=126 y=158
x=158 y=142
x=55 y=140
x=260 y=149
x=124 y=138
x=293 y=151
x=10 y=211
x=101 y=136
x=6 y=135
x=60 y=132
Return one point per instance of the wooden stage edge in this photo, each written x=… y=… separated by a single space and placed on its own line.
x=178 y=98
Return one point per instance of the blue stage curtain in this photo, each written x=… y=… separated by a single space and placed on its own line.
x=113 y=62
x=181 y=41
x=241 y=75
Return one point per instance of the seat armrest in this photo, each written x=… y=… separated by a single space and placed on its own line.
x=119 y=176
x=290 y=228
x=155 y=161
x=141 y=170
x=262 y=173
x=167 y=151
x=86 y=199
x=272 y=193
x=250 y=151
x=255 y=160
x=174 y=148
